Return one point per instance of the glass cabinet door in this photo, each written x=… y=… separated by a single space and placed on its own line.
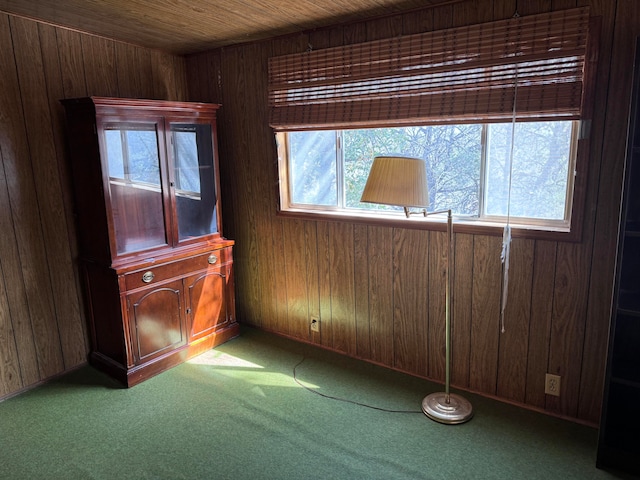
x=194 y=179
x=135 y=187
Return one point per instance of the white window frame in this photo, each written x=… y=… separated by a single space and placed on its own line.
x=287 y=207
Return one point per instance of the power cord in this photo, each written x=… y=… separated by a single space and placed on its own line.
x=331 y=397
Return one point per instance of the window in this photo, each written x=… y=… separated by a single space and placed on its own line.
x=452 y=98
x=468 y=169
x=132 y=155
x=186 y=162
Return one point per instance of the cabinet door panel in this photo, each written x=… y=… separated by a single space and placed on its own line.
x=194 y=179
x=132 y=164
x=158 y=320
x=207 y=302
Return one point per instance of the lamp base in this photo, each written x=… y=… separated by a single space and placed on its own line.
x=456 y=410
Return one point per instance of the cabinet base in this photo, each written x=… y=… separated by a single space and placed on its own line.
x=134 y=375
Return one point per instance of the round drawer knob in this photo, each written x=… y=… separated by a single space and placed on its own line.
x=147 y=277
x=212 y=259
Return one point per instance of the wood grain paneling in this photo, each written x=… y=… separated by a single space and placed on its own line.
x=324 y=284
x=559 y=293
x=417 y=22
x=27 y=227
x=514 y=341
x=42 y=324
x=10 y=377
x=341 y=280
x=361 y=272
x=410 y=300
x=42 y=148
x=377 y=290
x=485 y=314
x=542 y=289
x=568 y=324
x=69 y=49
x=254 y=298
x=181 y=26
x=614 y=108
x=19 y=338
x=436 y=290
x=295 y=274
x=461 y=314
x=100 y=65
x=272 y=253
x=380 y=282
x=311 y=248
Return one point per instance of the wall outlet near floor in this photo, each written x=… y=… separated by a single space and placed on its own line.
x=315 y=324
x=552 y=384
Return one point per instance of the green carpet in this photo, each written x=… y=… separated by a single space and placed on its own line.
x=236 y=412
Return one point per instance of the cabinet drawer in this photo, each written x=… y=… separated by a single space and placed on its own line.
x=167 y=271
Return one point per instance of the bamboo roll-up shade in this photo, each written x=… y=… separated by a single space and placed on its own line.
x=466 y=74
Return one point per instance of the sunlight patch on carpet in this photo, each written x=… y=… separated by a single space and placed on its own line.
x=216 y=358
x=235 y=367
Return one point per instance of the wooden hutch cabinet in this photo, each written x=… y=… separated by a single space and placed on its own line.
x=158 y=276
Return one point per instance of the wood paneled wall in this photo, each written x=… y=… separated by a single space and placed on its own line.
x=42 y=321
x=369 y=284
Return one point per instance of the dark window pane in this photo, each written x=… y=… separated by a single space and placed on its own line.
x=195 y=180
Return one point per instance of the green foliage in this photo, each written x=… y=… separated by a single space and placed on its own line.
x=451 y=153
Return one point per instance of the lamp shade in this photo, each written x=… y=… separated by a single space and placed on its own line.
x=397 y=181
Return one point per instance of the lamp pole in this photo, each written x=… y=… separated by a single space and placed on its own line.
x=447 y=314
x=446 y=407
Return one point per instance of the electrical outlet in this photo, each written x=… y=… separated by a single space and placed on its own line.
x=315 y=324
x=552 y=384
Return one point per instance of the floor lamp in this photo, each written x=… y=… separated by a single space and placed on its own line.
x=402 y=181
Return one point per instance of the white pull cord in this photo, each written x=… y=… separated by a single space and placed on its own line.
x=506 y=235
x=504 y=256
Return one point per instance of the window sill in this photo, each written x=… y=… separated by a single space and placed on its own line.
x=437 y=222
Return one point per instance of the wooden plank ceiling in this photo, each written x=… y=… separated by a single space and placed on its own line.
x=188 y=26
